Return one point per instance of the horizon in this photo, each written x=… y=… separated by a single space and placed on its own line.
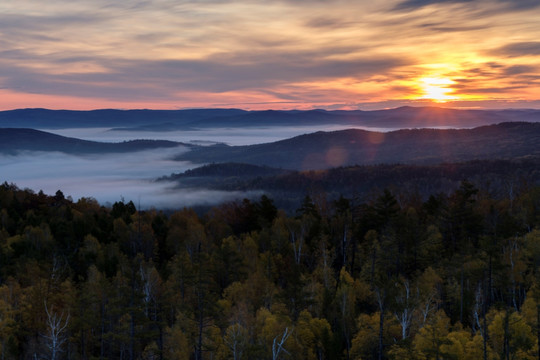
x=332 y=55
x=432 y=106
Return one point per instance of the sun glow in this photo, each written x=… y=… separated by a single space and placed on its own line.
x=437 y=89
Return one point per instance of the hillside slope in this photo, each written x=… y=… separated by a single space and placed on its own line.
x=13 y=140
x=322 y=150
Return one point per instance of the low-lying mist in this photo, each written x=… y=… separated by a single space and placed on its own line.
x=230 y=136
x=110 y=178
x=114 y=177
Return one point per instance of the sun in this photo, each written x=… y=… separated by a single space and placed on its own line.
x=437 y=89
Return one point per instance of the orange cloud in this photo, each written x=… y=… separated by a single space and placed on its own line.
x=282 y=54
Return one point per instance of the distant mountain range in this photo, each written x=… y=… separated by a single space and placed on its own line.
x=167 y=120
x=323 y=150
x=14 y=140
x=62 y=119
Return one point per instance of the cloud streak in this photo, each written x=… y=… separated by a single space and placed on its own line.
x=168 y=54
x=506 y=4
x=517 y=49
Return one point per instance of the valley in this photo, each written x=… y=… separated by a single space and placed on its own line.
x=284 y=154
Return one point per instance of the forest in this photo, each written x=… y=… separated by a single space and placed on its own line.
x=287 y=188
x=395 y=276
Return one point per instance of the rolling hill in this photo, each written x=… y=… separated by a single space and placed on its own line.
x=13 y=140
x=288 y=187
x=323 y=150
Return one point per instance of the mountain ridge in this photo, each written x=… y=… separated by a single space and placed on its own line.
x=188 y=119
x=14 y=140
x=323 y=150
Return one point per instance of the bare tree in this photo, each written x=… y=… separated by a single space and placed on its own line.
x=298 y=230
x=277 y=346
x=236 y=339
x=56 y=328
x=405 y=306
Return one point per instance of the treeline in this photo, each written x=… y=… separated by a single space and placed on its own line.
x=287 y=187
x=456 y=276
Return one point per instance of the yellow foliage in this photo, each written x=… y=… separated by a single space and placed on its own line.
x=365 y=342
x=512 y=329
x=310 y=334
x=529 y=310
x=176 y=345
x=456 y=344
x=272 y=326
x=430 y=338
x=235 y=340
x=475 y=349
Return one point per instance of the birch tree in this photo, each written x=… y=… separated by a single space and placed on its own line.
x=56 y=331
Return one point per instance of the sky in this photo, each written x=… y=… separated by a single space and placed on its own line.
x=281 y=54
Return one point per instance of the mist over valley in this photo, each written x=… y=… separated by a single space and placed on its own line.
x=110 y=162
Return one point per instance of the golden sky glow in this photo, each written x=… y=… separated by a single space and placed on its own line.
x=257 y=55
x=437 y=89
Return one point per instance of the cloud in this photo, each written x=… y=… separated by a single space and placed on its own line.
x=520 y=69
x=31 y=23
x=327 y=22
x=143 y=79
x=415 y=4
x=161 y=50
x=460 y=89
x=443 y=27
x=516 y=5
x=187 y=53
x=495 y=79
x=517 y=49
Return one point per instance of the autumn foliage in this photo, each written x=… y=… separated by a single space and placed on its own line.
x=397 y=276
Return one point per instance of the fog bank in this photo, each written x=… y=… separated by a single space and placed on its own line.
x=229 y=136
x=110 y=178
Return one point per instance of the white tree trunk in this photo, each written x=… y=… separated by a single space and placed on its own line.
x=56 y=326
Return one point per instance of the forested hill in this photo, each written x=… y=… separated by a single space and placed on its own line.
x=287 y=188
x=456 y=276
x=14 y=140
x=322 y=150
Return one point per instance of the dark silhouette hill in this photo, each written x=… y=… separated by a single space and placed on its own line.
x=13 y=140
x=288 y=187
x=224 y=176
x=323 y=150
x=59 y=119
x=167 y=120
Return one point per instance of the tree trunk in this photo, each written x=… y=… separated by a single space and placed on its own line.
x=200 y=305
x=461 y=296
x=160 y=339
x=381 y=325
x=132 y=320
x=506 y=342
x=538 y=327
x=488 y=299
x=382 y=307
x=484 y=311
x=102 y=335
